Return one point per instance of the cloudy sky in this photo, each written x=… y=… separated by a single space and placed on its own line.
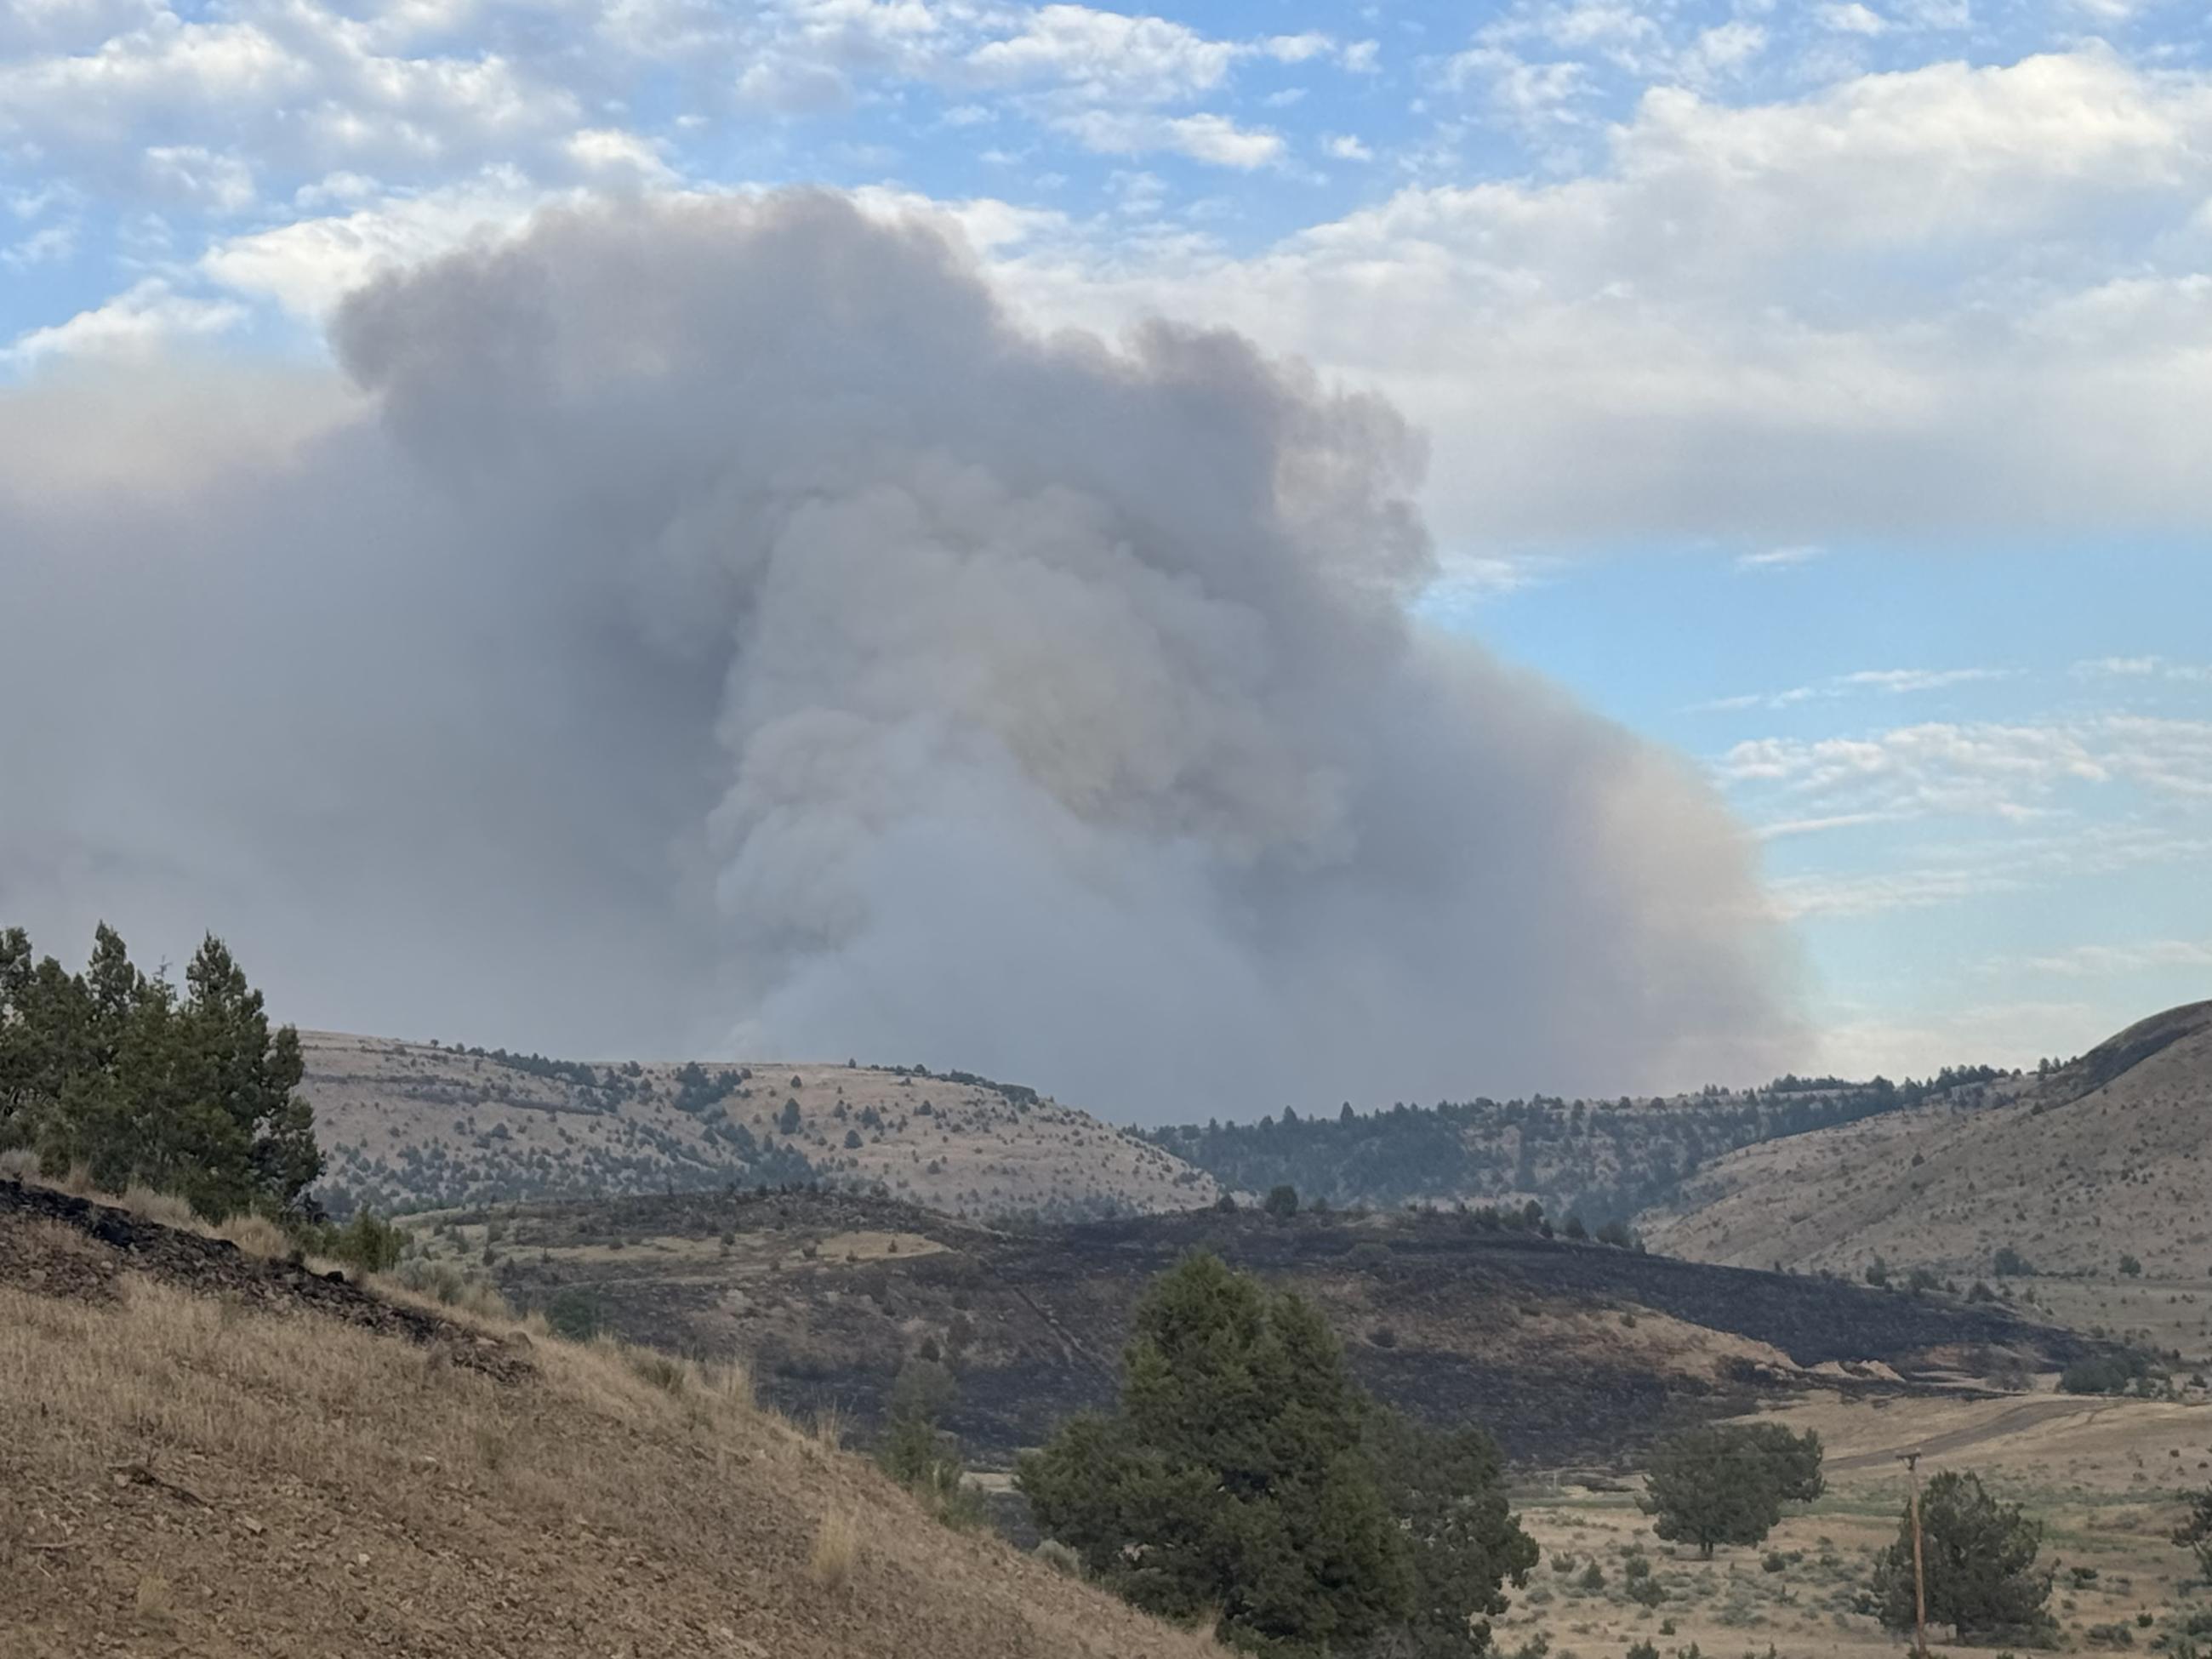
x=1822 y=390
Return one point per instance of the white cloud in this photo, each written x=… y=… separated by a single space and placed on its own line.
x=1891 y=307
x=2096 y=961
x=1896 y=682
x=1778 y=558
x=2012 y=772
x=1213 y=138
x=1344 y=147
x=2143 y=668
x=138 y=324
x=1852 y=18
x=45 y=245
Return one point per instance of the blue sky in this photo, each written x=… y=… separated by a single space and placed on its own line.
x=1825 y=391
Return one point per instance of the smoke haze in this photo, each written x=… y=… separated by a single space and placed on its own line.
x=715 y=627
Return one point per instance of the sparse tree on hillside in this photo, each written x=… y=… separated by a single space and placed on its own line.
x=1979 y=1557
x=1722 y=1485
x=1282 y=1201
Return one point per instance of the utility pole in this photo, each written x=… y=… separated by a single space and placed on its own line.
x=1919 y=1572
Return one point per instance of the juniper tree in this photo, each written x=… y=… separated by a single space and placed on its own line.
x=1979 y=1558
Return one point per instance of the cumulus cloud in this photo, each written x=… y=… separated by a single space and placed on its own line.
x=718 y=625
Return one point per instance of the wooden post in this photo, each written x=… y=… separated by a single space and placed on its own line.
x=1919 y=1572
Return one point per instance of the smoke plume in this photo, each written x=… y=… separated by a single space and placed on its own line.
x=718 y=627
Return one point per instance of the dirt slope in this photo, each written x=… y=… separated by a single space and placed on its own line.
x=2108 y=1156
x=410 y=1123
x=205 y=1455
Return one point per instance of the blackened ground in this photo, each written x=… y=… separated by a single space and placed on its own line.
x=1552 y=1345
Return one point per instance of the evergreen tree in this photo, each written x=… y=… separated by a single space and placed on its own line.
x=1723 y=1485
x=1234 y=1478
x=1979 y=1557
x=112 y=1072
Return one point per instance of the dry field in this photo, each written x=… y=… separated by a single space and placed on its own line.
x=214 y=1475
x=2102 y=1475
x=2111 y=1156
x=442 y=1125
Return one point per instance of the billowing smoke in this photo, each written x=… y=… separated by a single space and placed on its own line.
x=718 y=627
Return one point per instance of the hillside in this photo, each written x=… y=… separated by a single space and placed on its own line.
x=1568 y=1352
x=206 y=1454
x=407 y=1125
x=1603 y=1160
x=2107 y=1156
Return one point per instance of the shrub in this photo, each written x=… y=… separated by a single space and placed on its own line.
x=367 y=1244
x=1980 y=1564
x=2130 y=1267
x=2009 y=1263
x=1282 y=1201
x=1593 y=1577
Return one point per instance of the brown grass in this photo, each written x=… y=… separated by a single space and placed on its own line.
x=592 y=1509
x=836 y=1546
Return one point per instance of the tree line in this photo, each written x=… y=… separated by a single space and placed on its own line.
x=136 y=1081
x=1604 y=1160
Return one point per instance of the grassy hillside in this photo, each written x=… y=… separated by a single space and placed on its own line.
x=409 y=1125
x=1568 y=1352
x=2106 y=1158
x=209 y=1454
x=1602 y=1160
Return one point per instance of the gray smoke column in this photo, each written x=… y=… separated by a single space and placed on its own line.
x=720 y=625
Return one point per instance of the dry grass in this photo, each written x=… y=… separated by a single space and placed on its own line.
x=2070 y=1182
x=830 y=1429
x=974 y=1150
x=592 y=1509
x=837 y=1547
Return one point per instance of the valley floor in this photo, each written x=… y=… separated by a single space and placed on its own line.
x=2102 y=1474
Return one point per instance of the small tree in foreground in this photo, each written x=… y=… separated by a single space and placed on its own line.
x=1725 y=1484
x=1978 y=1556
x=1245 y=1480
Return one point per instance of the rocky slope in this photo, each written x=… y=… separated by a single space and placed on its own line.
x=412 y=1125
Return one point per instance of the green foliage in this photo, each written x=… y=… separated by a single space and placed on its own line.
x=116 y=1073
x=1979 y=1557
x=2130 y=1267
x=1447 y=1493
x=574 y=1313
x=367 y=1244
x=2104 y=1373
x=2009 y=1263
x=1723 y=1485
x=1282 y=1200
x=1244 y=1478
x=1601 y=1160
x=2195 y=1532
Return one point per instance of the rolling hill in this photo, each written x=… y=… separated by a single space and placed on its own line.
x=408 y=1125
x=2109 y=1156
x=208 y=1454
